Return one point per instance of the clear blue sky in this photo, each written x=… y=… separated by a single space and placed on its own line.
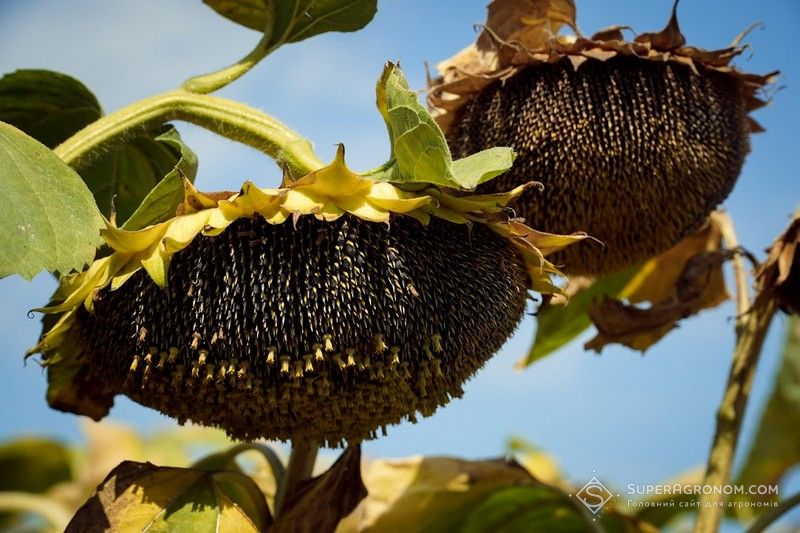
x=634 y=419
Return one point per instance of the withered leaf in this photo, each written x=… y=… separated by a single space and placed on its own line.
x=142 y=496
x=667 y=39
x=320 y=503
x=779 y=276
x=679 y=283
x=443 y=494
x=528 y=22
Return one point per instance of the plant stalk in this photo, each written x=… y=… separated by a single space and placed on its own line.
x=731 y=413
x=228 y=118
x=751 y=329
x=213 y=81
x=300 y=467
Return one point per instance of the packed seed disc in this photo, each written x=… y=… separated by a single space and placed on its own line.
x=635 y=152
x=310 y=330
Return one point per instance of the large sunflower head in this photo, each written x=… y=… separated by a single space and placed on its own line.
x=324 y=310
x=636 y=141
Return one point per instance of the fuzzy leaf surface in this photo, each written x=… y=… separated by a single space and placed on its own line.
x=48 y=218
x=419 y=149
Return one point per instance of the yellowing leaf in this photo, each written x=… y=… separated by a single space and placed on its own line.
x=442 y=494
x=142 y=497
x=680 y=282
x=417 y=493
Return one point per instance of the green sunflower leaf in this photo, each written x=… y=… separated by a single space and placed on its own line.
x=47 y=105
x=145 y=497
x=51 y=107
x=48 y=218
x=289 y=21
x=558 y=325
x=419 y=149
x=177 y=161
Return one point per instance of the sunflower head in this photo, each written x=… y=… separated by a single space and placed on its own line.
x=323 y=310
x=636 y=142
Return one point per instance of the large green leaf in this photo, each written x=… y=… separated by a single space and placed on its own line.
x=48 y=218
x=522 y=509
x=419 y=150
x=51 y=107
x=288 y=21
x=47 y=105
x=776 y=447
x=557 y=325
x=144 y=497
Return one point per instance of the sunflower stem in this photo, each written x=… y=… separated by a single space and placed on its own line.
x=751 y=331
x=228 y=118
x=213 y=81
x=300 y=467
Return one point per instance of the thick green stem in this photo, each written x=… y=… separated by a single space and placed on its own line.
x=208 y=83
x=230 y=119
x=300 y=467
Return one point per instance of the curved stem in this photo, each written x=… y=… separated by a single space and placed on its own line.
x=208 y=83
x=768 y=518
x=24 y=502
x=230 y=119
x=300 y=467
x=274 y=462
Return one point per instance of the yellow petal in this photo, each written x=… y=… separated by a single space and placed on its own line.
x=157 y=265
x=360 y=207
x=134 y=241
x=194 y=200
x=387 y=196
x=224 y=215
x=304 y=202
x=182 y=230
x=334 y=180
x=254 y=200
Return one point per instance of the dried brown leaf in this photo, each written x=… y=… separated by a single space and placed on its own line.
x=779 y=276
x=670 y=38
x=680 y=282
x=612 y=33
x=528 y=22
x=319 y=504
x=523 y=33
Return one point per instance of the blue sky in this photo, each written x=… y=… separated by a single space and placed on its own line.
x=634 y=419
